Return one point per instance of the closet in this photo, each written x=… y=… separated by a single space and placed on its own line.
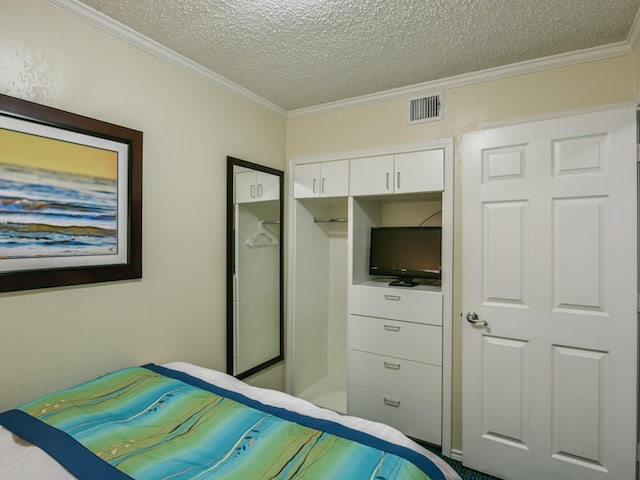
x=355 y=344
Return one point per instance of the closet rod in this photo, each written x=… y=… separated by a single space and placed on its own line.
x=270 y=222
x=330 y=220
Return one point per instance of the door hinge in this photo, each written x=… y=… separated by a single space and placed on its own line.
x=637 y=452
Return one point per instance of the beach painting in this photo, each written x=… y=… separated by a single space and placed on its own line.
x=70 y=198
x=60 y=201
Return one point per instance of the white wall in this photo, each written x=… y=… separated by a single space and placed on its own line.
x=52 y=338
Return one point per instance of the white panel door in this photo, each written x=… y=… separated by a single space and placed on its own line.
x=549 y=263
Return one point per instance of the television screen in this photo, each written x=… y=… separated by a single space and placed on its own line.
x=406 y=253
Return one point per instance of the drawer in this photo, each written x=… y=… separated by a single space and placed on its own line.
x=419 y=381
x=411 y=341
x=397 y=303
x=413 y=418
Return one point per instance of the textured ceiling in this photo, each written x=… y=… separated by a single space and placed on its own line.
x=302 y=53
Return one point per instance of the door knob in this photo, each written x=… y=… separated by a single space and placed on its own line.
x=472 y=317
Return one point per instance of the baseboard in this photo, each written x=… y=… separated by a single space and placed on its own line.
x=456 y=455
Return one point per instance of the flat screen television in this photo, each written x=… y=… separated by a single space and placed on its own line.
x=406 y=253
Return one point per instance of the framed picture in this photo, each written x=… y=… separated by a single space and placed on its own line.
x=70 y=198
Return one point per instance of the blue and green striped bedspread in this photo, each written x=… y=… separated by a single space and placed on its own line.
x=152 y=422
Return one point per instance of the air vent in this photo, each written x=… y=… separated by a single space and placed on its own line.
x=425 y=109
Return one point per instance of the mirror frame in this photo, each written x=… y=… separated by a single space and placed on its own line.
x=231 y=163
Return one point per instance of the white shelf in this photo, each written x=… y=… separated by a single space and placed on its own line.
x=384 y=283
x=330 y=392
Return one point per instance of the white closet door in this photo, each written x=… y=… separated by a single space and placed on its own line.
x=549 y=262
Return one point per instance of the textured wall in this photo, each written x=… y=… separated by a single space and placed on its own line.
x=56 y=337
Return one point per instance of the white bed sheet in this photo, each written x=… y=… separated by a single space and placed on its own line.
x=18 y=462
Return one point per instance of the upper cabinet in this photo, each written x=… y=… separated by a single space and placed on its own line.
x=400 y=173
x=252 y=186
x=327 y=179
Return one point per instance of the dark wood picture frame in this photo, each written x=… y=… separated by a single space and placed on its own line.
x=21 y=117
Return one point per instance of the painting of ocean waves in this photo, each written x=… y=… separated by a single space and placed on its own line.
x=46 y=213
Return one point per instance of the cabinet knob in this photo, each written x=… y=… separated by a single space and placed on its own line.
x=391 y=403
x=392 y=366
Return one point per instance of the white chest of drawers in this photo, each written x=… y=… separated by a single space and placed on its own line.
x=395 y=358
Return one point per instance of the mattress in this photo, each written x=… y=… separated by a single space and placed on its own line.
x=20 y=460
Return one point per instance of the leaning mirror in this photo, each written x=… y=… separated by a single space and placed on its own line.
x=254 y=267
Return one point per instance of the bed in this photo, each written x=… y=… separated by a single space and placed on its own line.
x=179 y=421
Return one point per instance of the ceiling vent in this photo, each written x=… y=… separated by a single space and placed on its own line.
x=425 y=109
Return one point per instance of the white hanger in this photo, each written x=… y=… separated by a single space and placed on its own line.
x=261 y=238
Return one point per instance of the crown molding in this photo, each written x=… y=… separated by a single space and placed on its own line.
x=497 y=73
x=634 y=34
x=121 y=31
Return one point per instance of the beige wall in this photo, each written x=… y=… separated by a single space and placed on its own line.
x=586 y=85
x=636 y=71
x=56 y=337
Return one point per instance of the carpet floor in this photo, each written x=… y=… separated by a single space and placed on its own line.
x=465 y=473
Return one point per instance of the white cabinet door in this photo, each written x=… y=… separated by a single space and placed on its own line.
x=419 y=171
x=245 y=187
x=252 y=186
x=550 y=263
x=334 y=179
x=330 y=179
x=267 y=186
x=401 y=173
x=371 y=175
x=306 y=178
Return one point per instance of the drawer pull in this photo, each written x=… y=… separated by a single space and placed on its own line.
x=392 y=297
x=392 y=366
x=391 y=403
x=392 y=328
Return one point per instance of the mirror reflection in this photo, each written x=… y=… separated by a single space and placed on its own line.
x=254 y=267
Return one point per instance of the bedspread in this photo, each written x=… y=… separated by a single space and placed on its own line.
x=152 y=422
